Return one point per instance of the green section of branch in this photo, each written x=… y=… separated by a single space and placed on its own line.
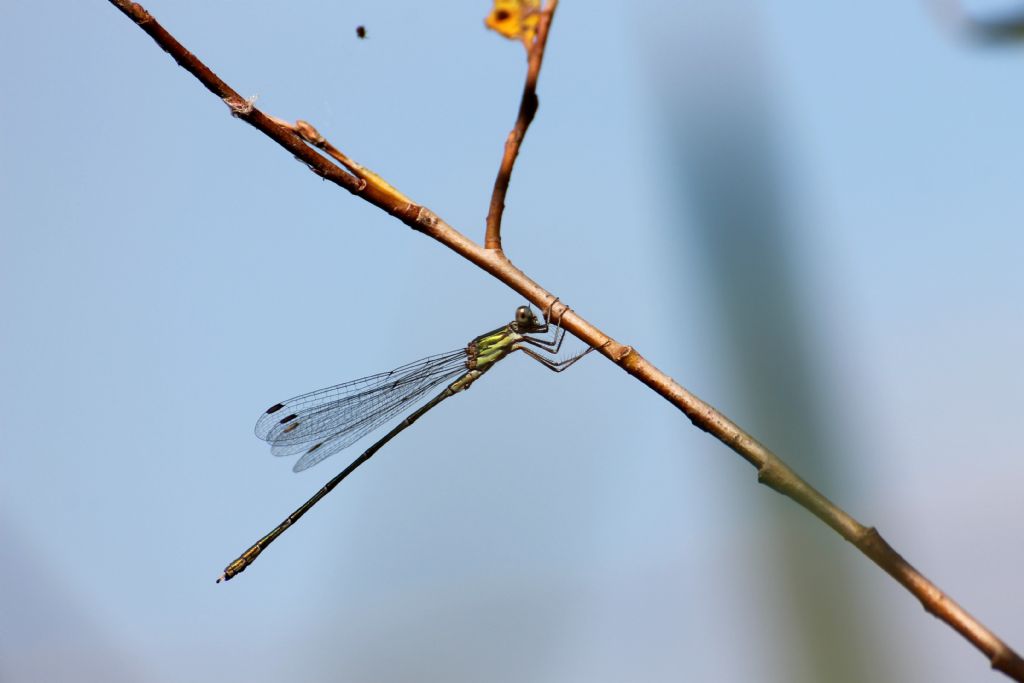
x=772 y=471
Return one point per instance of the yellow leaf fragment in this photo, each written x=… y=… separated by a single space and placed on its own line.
x=515 y=19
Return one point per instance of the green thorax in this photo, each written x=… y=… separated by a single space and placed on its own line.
x=489 y=348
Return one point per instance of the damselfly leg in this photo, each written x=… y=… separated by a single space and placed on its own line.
x=550 y=346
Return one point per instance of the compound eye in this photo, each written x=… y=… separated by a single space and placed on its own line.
x=523 y=315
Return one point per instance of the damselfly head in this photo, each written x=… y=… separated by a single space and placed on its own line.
x=526 y=321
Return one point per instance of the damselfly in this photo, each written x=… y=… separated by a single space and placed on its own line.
x=321 y=423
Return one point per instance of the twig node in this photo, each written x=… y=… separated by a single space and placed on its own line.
x=243 y=107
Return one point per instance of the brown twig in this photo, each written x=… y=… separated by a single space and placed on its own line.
x=771 y=470
x=527 y=110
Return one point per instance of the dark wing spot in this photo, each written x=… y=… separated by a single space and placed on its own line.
x=315 y=446
x=274 y=408
x=290 y=427
x=287 y=419
x=361 y=31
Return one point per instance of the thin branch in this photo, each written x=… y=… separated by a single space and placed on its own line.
x=527 y=110
x=771 y=470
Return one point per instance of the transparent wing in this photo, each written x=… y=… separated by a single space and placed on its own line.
x=323 y=422
x=336 y=442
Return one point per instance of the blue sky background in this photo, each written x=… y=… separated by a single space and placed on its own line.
x=168 y=273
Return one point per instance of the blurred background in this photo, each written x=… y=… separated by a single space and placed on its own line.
x=809 y=214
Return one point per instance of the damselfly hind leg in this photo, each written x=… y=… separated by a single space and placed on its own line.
x=555 y=365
